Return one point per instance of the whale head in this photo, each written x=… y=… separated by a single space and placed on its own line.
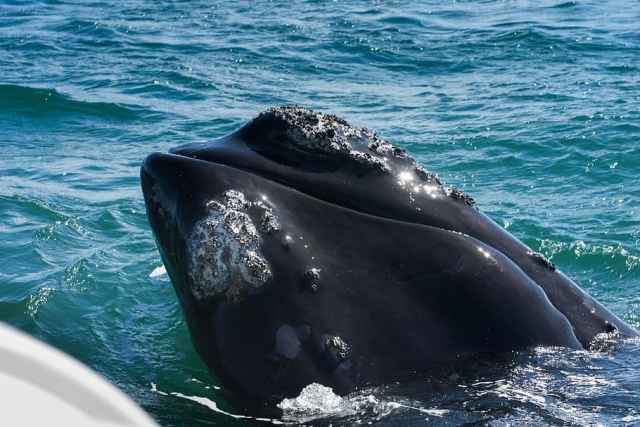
x=304 y=249
x=320 y=155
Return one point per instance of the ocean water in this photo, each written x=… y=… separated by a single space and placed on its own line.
x=531 y=107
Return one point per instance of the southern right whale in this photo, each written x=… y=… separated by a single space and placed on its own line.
x=303 y=250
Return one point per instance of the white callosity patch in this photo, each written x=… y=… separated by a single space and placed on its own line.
x=329 y=134
x=315 y=132
x=378 y=163
x=224 y=248
x=268 y=222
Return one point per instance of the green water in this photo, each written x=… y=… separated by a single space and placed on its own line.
x=533 y=108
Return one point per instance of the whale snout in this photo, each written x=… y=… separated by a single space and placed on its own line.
x=160 y=176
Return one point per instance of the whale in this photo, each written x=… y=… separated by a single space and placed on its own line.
x=303 y=250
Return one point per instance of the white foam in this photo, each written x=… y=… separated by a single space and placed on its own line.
x=158 y=272
x=212 y=405
x=314 y=400
x=318 y=401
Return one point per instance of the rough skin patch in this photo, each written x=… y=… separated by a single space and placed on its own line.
x=157 y=204
x=314 y=132
x=457 y=194
x=542 y=260
x=425 y=175
x=224 y=248
x=311 y=280
x=335 y=350
x=324 y=133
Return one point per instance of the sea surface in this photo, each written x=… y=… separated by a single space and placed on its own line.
x=532 y=107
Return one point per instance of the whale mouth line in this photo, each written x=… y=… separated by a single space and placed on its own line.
x=239 y=163
x=275 y=178
x=248 y=169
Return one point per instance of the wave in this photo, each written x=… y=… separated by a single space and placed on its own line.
x=615 y=257
x=44 y=101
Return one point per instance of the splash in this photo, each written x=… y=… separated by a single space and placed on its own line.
x=158 y=272
x=317 y=401
x=204 y=401
x=37 y=300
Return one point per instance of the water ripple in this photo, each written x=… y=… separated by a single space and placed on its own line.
x=34 y=101
x=533 y=108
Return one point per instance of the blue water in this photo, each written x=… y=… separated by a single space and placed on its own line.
x=533 y=108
